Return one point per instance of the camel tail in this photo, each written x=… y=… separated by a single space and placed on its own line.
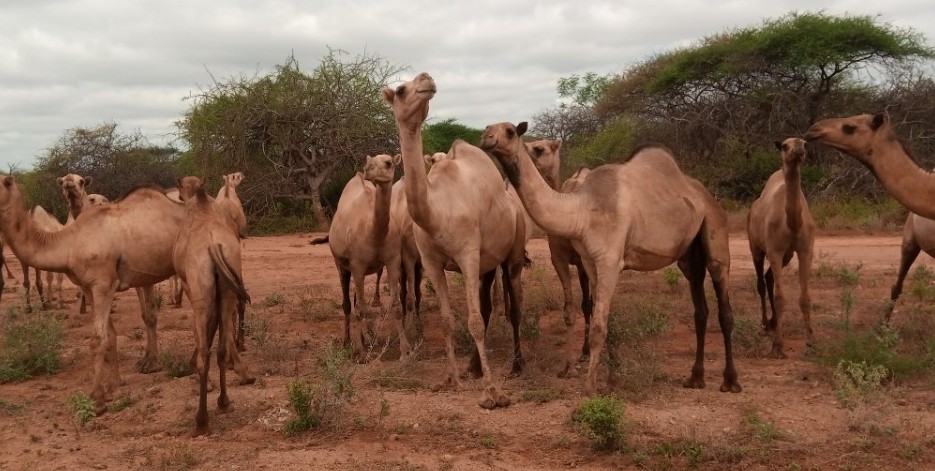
x=233 y=279
x=319 y=240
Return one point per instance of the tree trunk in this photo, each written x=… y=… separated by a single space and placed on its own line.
x=324 y=222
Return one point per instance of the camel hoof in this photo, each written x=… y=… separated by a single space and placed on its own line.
x=201 y=431
x=493 y=398
x=224 y=404
x=149 y=365
x=693 y=383
x=731 y=386
x=584 y=358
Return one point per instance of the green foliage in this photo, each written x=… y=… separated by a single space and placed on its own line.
x=857 y=213
x=257 y=328
x=175 y=361
x=763 y=430
x=583 y=90
x=856 y=381
x=322 y=404
x=32 y=345
x=82 y=407
x=748 y=338
x=300 y=398
x=438 y=137
x=632 y=362
x=602 y=418
x=611 y=144
x=540 y=396
x=671 y=277
x=920 y=284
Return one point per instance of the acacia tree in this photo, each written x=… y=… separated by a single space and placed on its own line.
x=574 y=117
x=291 y=130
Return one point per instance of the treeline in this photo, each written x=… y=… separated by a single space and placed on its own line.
x=300 y=135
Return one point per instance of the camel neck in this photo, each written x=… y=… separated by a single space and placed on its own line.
x=75 y=205
x=417 y=182
x=553 y=179
x=381 y=211
x=553 y=211
x=32 y=245
x=909 y=184
x=792 y=175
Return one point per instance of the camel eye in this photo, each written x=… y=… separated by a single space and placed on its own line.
x=400 y=90
x=538 y=150
x=510 y=132
x=849 y=128
x=388 y=164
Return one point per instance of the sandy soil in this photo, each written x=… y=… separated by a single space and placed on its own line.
x=296 y=309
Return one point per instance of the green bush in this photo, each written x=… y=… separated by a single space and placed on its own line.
x=322 y=403
x=31 y=345
x=83 y=408
x=602 y=417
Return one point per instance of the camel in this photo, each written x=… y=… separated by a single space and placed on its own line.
x=463 y=219
x=73 y=189
x=114 y=247
x=207 y=258
x=229 y=203
x=410 y=275
x=918 y=236
x=780 y=225
x=546 y=156
x=363 y=240
x=48 y=223
x=641 y=215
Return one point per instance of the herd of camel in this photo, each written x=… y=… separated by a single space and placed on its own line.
x=640 y=214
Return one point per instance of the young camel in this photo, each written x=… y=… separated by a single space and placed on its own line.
x=207 y=258
x=546 y=155
x=780 y=225
x=49 y=223
x=110 y=248
x=640 y=215
x=463 y=219
x=229 y=203
x=76 y=196
x=364 y=239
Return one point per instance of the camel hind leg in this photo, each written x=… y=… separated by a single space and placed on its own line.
x=150 y=361
x=716 y=249
x=910 y=251
x=587 y=309
x=513 y=302
x=487 y=286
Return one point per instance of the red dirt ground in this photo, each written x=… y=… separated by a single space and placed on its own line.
x=296 y=309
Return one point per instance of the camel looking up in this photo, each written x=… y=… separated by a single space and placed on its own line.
x=463 y=219
x=780 y=225
x=871 y=140
x=73 y=189
x=546 y=155
x=208 y=260
x=642 y=215
x=102 y=252
x=364 y=239
x=229 y=203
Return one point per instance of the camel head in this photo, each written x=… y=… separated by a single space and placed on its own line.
x=9 y=191
x=233 y=179
x=793 y=150
x=95 y=199
x=855 y=136
x=545 y=154
x=504 y=141
x=189 y=187
x=410 y=101
x=74 y=185
x=434 y=158
x=381 y=169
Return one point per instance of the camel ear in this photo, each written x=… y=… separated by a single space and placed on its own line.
x=521 y=128
x=178 y=184
x=388 y=95
x=778 y=144
x=397 y=159
x=878 y=120
x=369 y=158
x=87 y=181
x=556 y=145
x=427 y=159
x=8 y=181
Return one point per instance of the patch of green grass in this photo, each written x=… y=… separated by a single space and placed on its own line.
x=175 y=361
x=120 y=404
x=671 y=276
x=855 y=382
x=82 y=408
x=629 y=352
x=32 y=345
x=322 y=404
x=275 y=299
x=921 y=284
x=540 y=396
x=487 y=441
x=257 y=328
x=763 y=430
x=602 y=417
x=748 y=337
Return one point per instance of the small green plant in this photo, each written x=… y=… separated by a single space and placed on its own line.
x=858 y=381
x=257 y=328
x=921 y=284
x=175 y=361
x=748 y=337
x=31 y=345
x=82 y=407
x=540 y=396
x=300 y=398
x=671 y=276
x=323 y=403
x=694 y=453
x=487 y=441
x=120 y=404
x=602 y=417
x=275 y=299
x=763 y=430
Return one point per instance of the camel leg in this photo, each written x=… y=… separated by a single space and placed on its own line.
x=434 y=270
x=392 y=278
x=105 y=361
x=910 y=250
x=775 y=267
x=770 y=294
x=405 y=290
x=692 y=265
x=202 y=310
x=43 y=300
x=805 y=300
x=497 y=296
x=513 y=293
x=150 y=361
x=85 y=300
x=357 y=318
x=376 y=291
x=492 y=396
x=26 y=287
x=587 y=308
x=417 y=286
x=758 y=260
x=716 y=249
x=486 y=308
x=50 y=296
x=603 y=294
x=345 y=277
x=561 y=264
x=61 y=294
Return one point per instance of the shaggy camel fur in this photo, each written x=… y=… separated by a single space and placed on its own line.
x=207 y=259
x=546 y=155
x=49 y=223
x=110 y=248
x=780 y=225
x=363 y=240
x=463 y=220
x=76 y=196
x=640 y=215
x=871 y=140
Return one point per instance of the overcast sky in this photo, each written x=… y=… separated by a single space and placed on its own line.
x=71 y=63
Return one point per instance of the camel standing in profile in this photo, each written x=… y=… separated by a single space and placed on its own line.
x=364 y=239
x=207 y=258
x=641 y=215
x=546 y=155
x=114 y=247
x=463 y=219
x=780 y=225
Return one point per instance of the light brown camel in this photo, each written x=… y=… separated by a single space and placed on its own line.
x=76 y=196
x=410 y=274
x=780 y=225
x=229 y=203
x=364 y=239
x=641 y=215
x=463 y=220
x=207 y=258
x=918 y=236
x=48 y=223
x=110 y=248
x=546 y=155
x=175 y=284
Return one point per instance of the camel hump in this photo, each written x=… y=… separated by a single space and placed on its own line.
x=230 y=277
x=655 y=155
x=319 y=240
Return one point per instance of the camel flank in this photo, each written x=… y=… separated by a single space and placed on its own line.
x=207 y=258
x=546 y=156
x=642 y=215
x=102 y=253
x=364 y=239
x=463 y=219
x=780 y=225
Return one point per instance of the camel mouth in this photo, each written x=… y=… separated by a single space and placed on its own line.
x=813 y=135
x=429 y=90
